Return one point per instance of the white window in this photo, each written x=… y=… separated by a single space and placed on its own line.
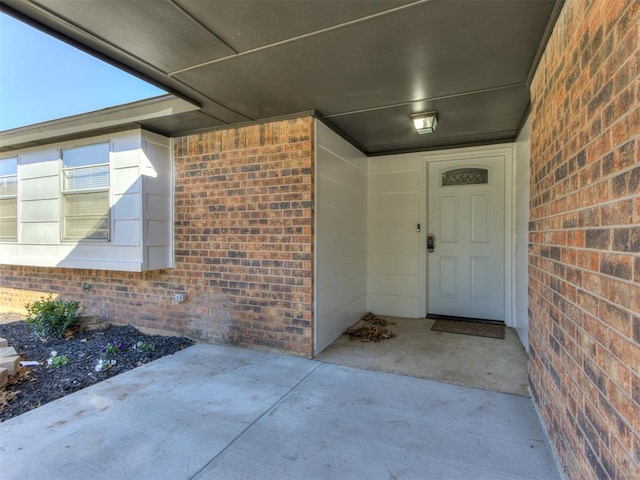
x=101 y=203
x=9 y=199
x=85 y=192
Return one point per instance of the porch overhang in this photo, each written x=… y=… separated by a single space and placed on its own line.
x=364 y=67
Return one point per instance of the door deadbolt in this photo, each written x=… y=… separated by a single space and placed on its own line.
x=431 y=242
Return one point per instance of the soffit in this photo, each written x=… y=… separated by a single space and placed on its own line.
x=363 y=66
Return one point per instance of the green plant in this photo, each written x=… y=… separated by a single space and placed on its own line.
x=112 y=347
x=50 y=318
x=56 y=360
x=104 y=364
x=143 y=347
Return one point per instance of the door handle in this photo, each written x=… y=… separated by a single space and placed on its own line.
x=431 y=242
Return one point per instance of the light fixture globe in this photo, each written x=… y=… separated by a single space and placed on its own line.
x=425 y=122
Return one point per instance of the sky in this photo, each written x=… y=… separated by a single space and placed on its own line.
x=42 y=78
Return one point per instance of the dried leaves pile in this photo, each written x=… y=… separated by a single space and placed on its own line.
x=22 y=375
x=370 y=328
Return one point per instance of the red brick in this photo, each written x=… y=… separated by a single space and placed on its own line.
x=221 y=235
x=626 y=350
x=584 y=180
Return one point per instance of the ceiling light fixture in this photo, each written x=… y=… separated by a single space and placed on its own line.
x=425 y=122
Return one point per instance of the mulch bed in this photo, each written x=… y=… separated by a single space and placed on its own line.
x=35 y=386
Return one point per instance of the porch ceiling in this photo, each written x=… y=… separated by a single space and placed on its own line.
x=363 y=66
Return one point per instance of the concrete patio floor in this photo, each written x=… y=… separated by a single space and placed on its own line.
x=214 y=412
x=493 y=364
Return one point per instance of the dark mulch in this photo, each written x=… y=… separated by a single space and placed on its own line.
x=35 y=386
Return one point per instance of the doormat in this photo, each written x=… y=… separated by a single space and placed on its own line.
x=469 y=328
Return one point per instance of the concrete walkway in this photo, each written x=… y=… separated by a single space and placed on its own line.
x=213 y=412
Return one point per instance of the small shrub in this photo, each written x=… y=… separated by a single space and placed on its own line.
x=50 y=318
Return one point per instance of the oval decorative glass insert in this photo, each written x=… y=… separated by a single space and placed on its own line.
x=465 y=176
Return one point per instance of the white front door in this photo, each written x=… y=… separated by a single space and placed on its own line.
x=466 y=218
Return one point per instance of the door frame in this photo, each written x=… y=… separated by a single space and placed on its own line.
x=471 y=153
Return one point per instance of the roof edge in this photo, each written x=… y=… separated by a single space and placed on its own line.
x=103 y=120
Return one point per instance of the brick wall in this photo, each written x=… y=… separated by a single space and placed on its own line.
x=243 y=246
x=584 y=261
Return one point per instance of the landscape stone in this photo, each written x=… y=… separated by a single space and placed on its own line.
x=91 y=322
x=11 y=364
x=7 y=352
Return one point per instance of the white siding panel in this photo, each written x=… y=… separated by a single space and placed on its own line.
x=340 y=236
x=40 y=188
x=521 y=232
x=339 y=270
x=333 y=298
x=46 y=168
x=39 y=156
x=159 y=257
x=40 y=211
x=391 y=222
x=394 y=210
x=126 y=207
x=395 y=203
x=405 y=243
x=395 y=182
x=126 y=232
x=395 y=163
x=40 y=233
x=336 y=193
x=156 y=167
x=336 y=219
x=158 y=207
x=333 y=323
x=395 y=305
x=105 y=252
x=340 y=245
x=158 y=233
x=126 y=180
x=329 y=141
x=125 y=159
x=390 y=264
x=127 y=144
x=157 y=171
x=398 y=285
x=89 y=256
x=341 y=171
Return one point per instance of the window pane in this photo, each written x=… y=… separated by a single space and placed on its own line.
x=9 y=166
x=8 y=230
x=8 y=186
x=8 y=220
x=86 y=178
x=86 y=215
x=87 y=155
x=8 y=208
x=465 y=176
x=86 y=204
x=86 y=227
